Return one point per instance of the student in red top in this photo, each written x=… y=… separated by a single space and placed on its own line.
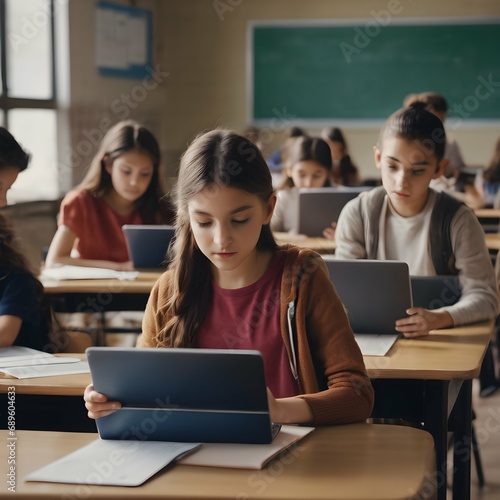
x=229 y=285
x=121 y=187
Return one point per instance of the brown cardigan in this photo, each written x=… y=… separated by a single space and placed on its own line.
x=327 y=356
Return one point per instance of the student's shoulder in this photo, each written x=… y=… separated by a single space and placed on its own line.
x=300 y=260
x=18 y=278
x=78 y=196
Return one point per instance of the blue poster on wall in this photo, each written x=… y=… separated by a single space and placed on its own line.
x=124 y=41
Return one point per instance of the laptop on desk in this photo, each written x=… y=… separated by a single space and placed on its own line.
x=148 y=244
x=187 y=395
x=319 y=207
x=375 y=294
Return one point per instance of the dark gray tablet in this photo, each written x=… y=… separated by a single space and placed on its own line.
x=186 y=395
x=148 y=244
x=319 y=207
x=375 y=293
x=433 y=292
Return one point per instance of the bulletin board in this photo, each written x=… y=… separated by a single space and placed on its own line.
x=124 y=41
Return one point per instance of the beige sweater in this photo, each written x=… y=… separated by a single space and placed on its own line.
x=325 y=346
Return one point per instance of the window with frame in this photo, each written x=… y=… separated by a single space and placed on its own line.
x=28 y=106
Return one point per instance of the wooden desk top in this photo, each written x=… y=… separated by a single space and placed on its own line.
x=61 y=385
x=492 y=241
x=142 y=284
x=356 y=462
x=320 y=245
x=453 y=353
x=487 y=213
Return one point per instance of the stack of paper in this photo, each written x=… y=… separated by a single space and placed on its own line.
x=23 y=362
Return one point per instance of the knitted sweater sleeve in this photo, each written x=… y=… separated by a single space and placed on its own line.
x=479 y=301
x=350 y=232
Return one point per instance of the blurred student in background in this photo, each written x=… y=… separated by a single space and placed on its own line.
x=277 y=161
x=309 y=165
x=344 y=172
x=121 y=187
x=25 y=317
x=488 y=181
x=13 y=160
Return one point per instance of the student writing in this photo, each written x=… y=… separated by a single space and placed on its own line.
x=25 y=318
x=230 y=286
x=121 y=187
x=407 y=220
x=309 y=166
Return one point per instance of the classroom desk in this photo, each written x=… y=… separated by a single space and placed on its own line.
x=420 y=380
x=48 y=403
x=487 y=213
x=100 y=295
x=60 y=385
x=356 y=462
x=492 y=241
x=320 y=245
x=425 y=380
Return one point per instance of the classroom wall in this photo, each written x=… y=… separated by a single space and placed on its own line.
x=204 y=52
x=97 y=101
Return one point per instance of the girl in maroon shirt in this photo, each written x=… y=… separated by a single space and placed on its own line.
x=230 y=286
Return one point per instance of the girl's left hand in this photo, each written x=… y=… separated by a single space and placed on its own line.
x=274 y=406
x=329 y=232
x=421 y=321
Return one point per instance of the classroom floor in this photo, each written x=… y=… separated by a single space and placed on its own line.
x=487 y=427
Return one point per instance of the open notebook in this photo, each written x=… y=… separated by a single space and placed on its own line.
x=375 y=294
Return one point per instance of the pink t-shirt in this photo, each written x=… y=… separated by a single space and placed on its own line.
x=249 y=318
x=97 y=226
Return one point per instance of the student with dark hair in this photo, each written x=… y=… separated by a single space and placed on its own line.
x=344 y=171
x=309 y=166
x=278 y=160
x=407 y=220
x=488 y=181
x=121 y=187
x=13 y=160
x=437 y=105
x=230 y=286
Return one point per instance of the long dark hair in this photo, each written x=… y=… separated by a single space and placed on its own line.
x=215 y=159
x=415 y=123
x=346 y=173
x=305 y=149
x=123 y=137
x=11 y=153
x=492 y=172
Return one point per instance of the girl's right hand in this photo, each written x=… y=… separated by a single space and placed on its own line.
x=97 y=404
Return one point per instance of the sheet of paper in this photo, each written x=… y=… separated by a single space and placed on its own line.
x=18 y=353
x=113 y=463
x=246 y=456
x=34 y=361
x=86 y=273
x=375 y=345
x=67 y=366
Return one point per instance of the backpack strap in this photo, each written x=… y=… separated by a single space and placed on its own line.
x=442 y=254
x=374 y=202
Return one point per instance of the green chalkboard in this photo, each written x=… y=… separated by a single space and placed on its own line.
x=364 y=71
